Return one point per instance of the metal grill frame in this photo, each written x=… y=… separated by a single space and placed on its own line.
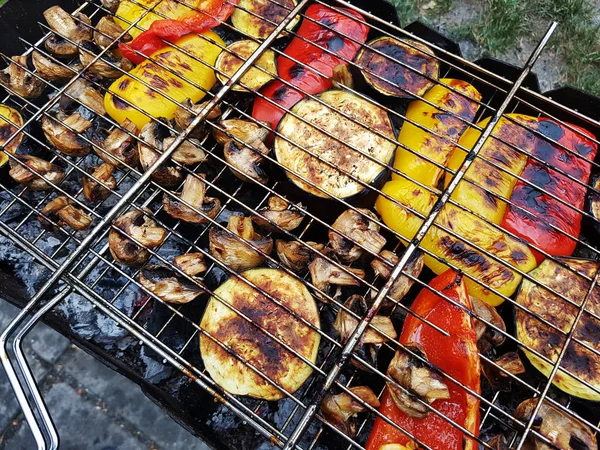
x=91 y=252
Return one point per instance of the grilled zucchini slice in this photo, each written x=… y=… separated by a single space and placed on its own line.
x=536 y=301
x=10 y=120
x=262 y=16
x=252 y=345
x=232 y=58
x=351 y=120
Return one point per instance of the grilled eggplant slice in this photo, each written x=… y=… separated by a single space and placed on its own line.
x=169 y=286
x=232 y=58
x=246 y=341
x=343 y=160
x=391 y=78
x=10 y=121
x=262 y=16
x=594 y=200
x=536 y=300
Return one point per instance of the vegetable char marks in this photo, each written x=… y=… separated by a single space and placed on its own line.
x=248 y=344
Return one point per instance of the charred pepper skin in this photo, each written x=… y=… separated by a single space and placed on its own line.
x=455 y=355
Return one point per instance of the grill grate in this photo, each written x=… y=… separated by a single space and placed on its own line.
x=82 y=259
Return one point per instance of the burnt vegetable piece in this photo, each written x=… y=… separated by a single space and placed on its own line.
x=191 y=264
x=381 y=329
x=107 y=31
x=562 y=430
x=93 y=191
x=64 y=133
x=227 y=247
x=258 y=18
x=82 y=92
x=18 y=77
x=280 y=213
x=194 y=190
x=245 y=340
x=62 y=212
x=361 y=227
x=323 y=273
x=295 y=255
x=141 y=228
x=232 y=58
x=394 y=78
x=169 y=286
x=107 y=66
x=341 y=409
x=74 y=28
x=185 y=113
x=49 y=172
x=50 y=70
x=118 y=149
x=384 y=263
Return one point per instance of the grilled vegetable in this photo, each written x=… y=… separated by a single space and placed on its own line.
x=169 y=286
x=594 y=200
x=118 y=149
x=191 y=264
x=49 y=69
x=536 y=300
x=246 y=158
x=232 y=58
x=280 y=213
x=49 y=173
x=258 y=18
x=275 y=100
x=107 y=66
x=295 y=255
x=64 y=133
x=48 y=217
x=230 y=246
x=384 y=263
x=107 y=32
x=573 y=434
x=141 y=228
x=461 y=103
x=183 y=118
x=342 y=409
x=193 y=193
x=82 y=92
x=455 y=354
x=488 y=313
x=18 y=77
x=75 y=28
x=246 y=341
x=93 y=191
x=462 y=251
x=62 y=212
x=380 y=331
x=361 y=227
x=10 y=121
x=244 y=130
x=323 y=273
x=308 y=115
x=153 y=102
x=389 y=77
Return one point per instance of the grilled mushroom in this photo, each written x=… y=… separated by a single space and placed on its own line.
x=323 y=273
x=141 y=228
x=183 y=117
x=563 y=431
x=594 y=202
x=107 y=32
x=383 y=264
x=194 y=190
x=49 y=69
x=65 y=133
x=341 y=409
x=191 y=263
x=152 y=136
x=418 y=378
x=488 y=313
x=495 y=371
x=18 y=77
x=48 y=172
x=278 y=211
x=342 y=76
x=345 y=324
x=111 y=5
x=119 y=150
x=62 y=212
x=74 y=28
x=93 y=191
x=82 y=92
x=188 y=153
x=169 y=286
x=49 y=214
x=74 y=217
x=295 y=255
x=360 y=226
x=234 y=252
x=246 y=159
x=243 y=130
x=107 y=66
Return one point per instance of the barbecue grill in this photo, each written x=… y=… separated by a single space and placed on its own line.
x=103 y=306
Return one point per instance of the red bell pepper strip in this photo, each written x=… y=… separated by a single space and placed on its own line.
x=533 y=210
x=456 y=355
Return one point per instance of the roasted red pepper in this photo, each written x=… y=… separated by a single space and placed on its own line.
x=533 y=210
x=456 y=355
x=343 y=22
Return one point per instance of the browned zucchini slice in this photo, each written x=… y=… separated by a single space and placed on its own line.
x=258 y=24
x=535 y=334
x=254 y=346
x=303 y=129
x=10 y=121
x=232 y=58
x=394 y=79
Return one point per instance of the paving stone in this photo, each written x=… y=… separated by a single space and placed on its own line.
x=48 y=344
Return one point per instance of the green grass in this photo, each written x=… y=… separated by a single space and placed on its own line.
x=501 y=24
x=570 y=13
x=408 y=11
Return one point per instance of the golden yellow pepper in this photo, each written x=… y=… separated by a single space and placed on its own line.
x=10 y=121
x=197 y=69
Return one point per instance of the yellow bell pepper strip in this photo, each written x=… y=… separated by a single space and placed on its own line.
x=446 y=125
x=198 y=69
x=456 y=251
x=487 y=184
x=10 y=121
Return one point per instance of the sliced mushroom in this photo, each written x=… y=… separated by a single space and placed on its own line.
x=111 y=5
x=183 y=117
x=49 y=69
x=167 y=285
x=342 y=76
x=152 y=136
x=384 y=263
x=296 y=255
x=188 y=153
x=496 y=371
x=490 y=315
x=341 y=409
x=48 y=217
x=118 y=147
x=18 y=77
x=418 y=381
x=361 y=227
x=141 y=228
x=243 y=130
x=246 y=158
x=193 y=193
x=498 y=442
x=323 y=273
x=234 y=252
x=562 y=430
x=107 y=32
x=191 y=264
x=82 y=92
x=62 y=212
x=74 y=217
x=93 y=191
x=279 y=212
x=65 y=133
x=48 y=172
x=74 y=28
x=381 y=329
x=107 y=66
